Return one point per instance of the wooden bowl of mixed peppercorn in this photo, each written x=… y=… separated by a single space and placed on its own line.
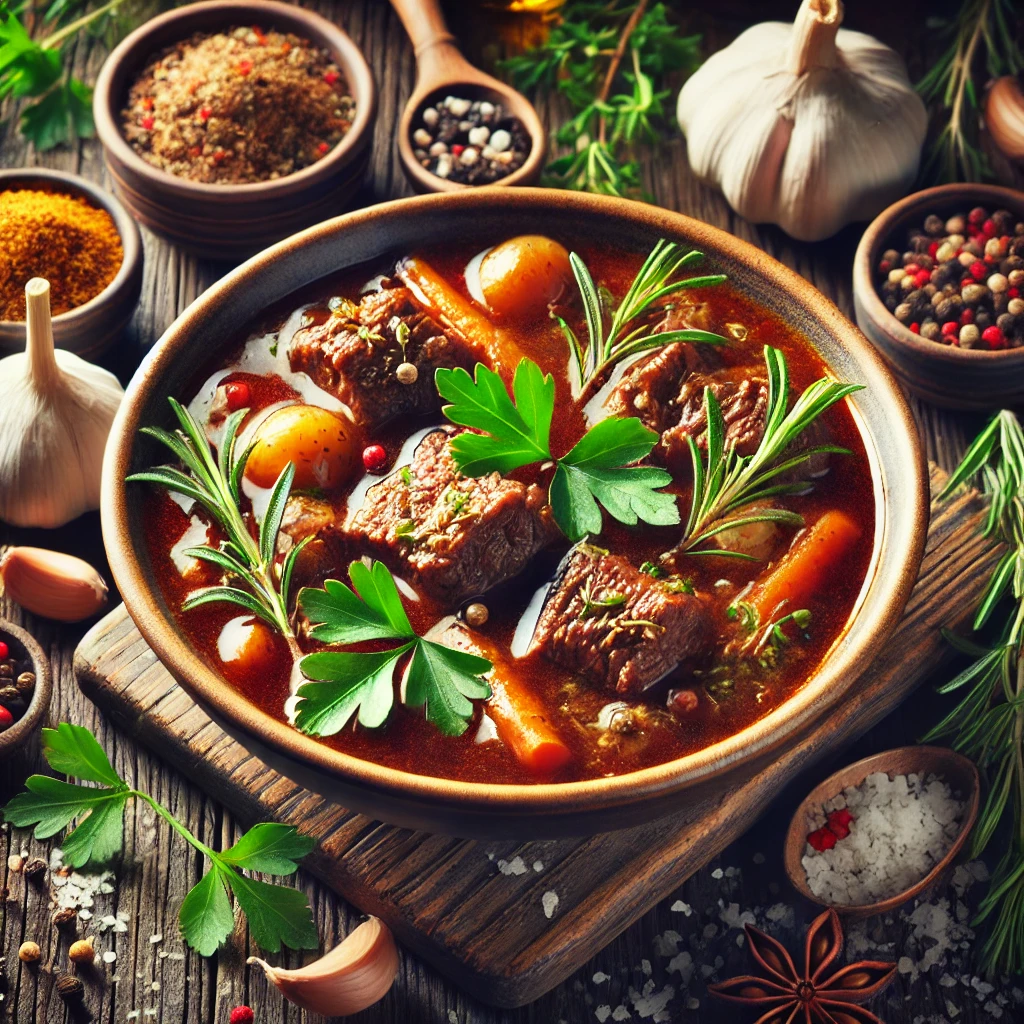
x=938 y=286
x=231 y=124
x=24 y=687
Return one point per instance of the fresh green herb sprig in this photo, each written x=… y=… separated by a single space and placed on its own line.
x=984 y=45
x=348 y=684
x=215 y=483
x=277 y=915
x=62 y=110
x=988 y=723
x=629 y=330
x=611 y=62
x=728 y=488
x=598 y=470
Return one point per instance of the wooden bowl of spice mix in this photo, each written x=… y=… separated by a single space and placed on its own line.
x=229 y=125
x=79 y=238
x=882 y=830
x=24 y=687
x=938 y=287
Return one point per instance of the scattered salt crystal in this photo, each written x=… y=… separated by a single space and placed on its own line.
x=600 y=977
x=109 y=956
x=538 y=866
x=710 y=931
x=731 y=917
x=132 y=1015
x=515 y=866
x=905 y=965
x=603 y=1012
x=717 y=873
x=758 y=858
x=645 y=966
x=993 y=1010
x=453 y=1017
x=946 y=981
x=549 y=901
x=682 y=963
x=650 y=1003
x=779 y=913
x=679 y=907
x=692 y=1003
x=156 y=938
x=901 y=828
x=740 y=939
x=667 y=944
x=620 y=1013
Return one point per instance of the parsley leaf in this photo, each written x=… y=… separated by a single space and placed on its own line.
x=596 y=472
x=350 y=683
x=277 y=914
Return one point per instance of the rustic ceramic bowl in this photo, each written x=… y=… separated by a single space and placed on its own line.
x=94 y=327
x=23 y=647
x=952 y=377
x=231 y=221
x=391 y=229
x=953 y=768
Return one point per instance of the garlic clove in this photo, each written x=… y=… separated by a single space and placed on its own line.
x=354 y=975
x=52 y=584
x=55 y=416
x=1004 y=116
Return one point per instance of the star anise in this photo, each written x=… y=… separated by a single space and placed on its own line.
x=814 y=996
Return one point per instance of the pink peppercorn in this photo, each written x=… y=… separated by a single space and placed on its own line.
x=6 y=718
x=911 y=268
x=993 y=337
x=967 y=317
x=147 y=123
x=950 y=329
x=1013 y=293
x=915 y=328
x=375 y=458
x=242 y=1015
x=4 y=649
x=933 y=249
x=922 y=277
x=978 y=270
x=989 y=227
x=977 y=216
x=330 y=77
x=823 y=839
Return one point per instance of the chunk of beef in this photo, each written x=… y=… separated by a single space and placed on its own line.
x=354 y=354
x=744 y=403
x=313 y=520
x=616 y=626
x=452 y=536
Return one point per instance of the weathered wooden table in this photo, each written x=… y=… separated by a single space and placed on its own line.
x=658 y=969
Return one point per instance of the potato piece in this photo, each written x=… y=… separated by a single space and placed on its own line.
x=521 y=276
x=248 y=647
x=323 y=447
x=755 y=539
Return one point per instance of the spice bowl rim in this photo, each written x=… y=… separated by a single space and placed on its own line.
x=920 y=758
x=129 y=274
x=342 y=49
x=474 y=808
x=19 y=732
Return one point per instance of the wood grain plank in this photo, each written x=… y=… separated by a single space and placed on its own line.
x=444 y=896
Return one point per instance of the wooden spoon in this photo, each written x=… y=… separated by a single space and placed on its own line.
x=953 y=768
x=441 y=70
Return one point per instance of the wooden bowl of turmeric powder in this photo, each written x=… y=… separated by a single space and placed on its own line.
x=82 y=240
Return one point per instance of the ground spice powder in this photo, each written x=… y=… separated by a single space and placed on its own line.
x=60 y=237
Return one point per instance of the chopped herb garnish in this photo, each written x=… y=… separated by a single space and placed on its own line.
x=653 y=570
x=402 y=335
x=362 y=684
x=678 y=585
x=719 y=689
x=406 y=475
x=598 y=469
x=277 y=915
x=342 y=307
x=746 y=614
x=599 y=605
x=801 y=618
x=405 y=529
x=365 y=334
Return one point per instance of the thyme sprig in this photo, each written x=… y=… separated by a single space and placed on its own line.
x=628 y=332
x=215 y=483
x=729 y=489
x=987 y=725
x=983 y=45
x=611 y=62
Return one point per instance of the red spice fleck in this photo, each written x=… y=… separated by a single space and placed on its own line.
x=977 y=216
x=286 y=47
x=965 y=281
x=147 y=102
x=244 y=67
x=375 y=458
x=922 y=277
x=911 y=268
x=978 y=270
x=195 y=151
x=885 y=266
x=457 y=150
x=147 y=123
x=933 y=249
x=915 y=328
x=205 y=113
x=839 y=823
x=950 y=328
x=261 y=39
x=822 y=840
x=993 y=337
x=1013 y=293
x=219 y=156
x=242 y=1015
x=331 y=76
x=989 y=227
x=237 y=395
x=4 y=649
x=323 y=147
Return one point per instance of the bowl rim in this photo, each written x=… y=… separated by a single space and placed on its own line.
x=23 y=728
x=878 y=233
x=341 y=46
x=127 y=229
x=794 y=841
x=793 y=716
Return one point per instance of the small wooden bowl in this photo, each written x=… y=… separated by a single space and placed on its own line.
x=93 y=327
x=951 y=377
x=952 y=768
x=233 y=221
x=24 y=647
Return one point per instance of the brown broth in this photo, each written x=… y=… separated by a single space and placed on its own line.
x=410 y=743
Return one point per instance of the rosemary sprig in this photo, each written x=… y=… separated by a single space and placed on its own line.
x=988 y=723
x=983 y=46
x=611 y=62
x=629 y=330
x=728 y=490
x=215 y=483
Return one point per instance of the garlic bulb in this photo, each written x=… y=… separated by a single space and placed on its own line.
x=352 y=976
x=1004 y=116
x=54 y=420
x=807 y=126
x=52 y=584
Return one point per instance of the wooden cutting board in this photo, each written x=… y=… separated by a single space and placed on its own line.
x=508 y=921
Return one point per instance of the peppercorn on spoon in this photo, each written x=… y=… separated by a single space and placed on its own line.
x=442 y=70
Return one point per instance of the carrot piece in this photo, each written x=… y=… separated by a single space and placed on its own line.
x=805 y=567
x=491 y=344
x=518 y=714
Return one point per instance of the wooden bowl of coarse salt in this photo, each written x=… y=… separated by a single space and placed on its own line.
x=880 y=831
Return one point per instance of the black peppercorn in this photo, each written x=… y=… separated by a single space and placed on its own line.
x=69 y=987
x=6 y=670
x=35 y=868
